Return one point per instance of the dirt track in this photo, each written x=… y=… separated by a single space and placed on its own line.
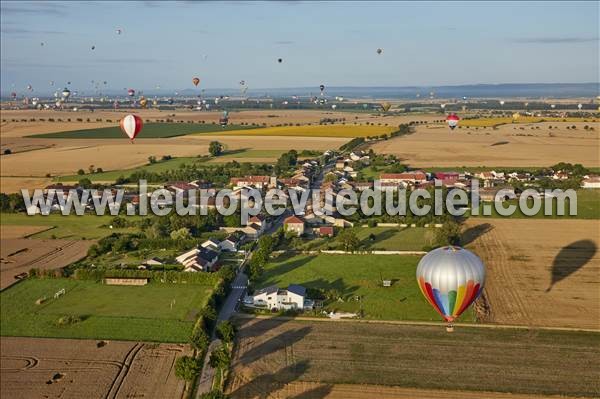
x=540 y=272
x=85 y=370
x=19 y=255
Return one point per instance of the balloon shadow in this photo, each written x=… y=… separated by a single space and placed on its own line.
x=570 y=259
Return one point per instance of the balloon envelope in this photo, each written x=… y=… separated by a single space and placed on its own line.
x=450 y=278
x=452 y=121
x=195 y=81
x=131 y=125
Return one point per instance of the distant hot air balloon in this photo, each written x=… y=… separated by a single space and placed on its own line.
x=155 y=102
x=66 y=93
x=516 y=116
x=365 y=106
x=29 y=87
x=552 y=106
x=379 y=51
x=450 y=278
x=224 y=119
x=501 y=102
x=143 y=102
x=119 y=31
x=115 y=104
x=579 y=106
x=170 y=101
x=51 y=83
x=452 y=121
x=195 y=81
x=280 y=60
x=42 y=44
x=13 y=95
x=385 y=106
x=131 y=125
x=322 y=87
x=442 y=106
x=333 y=106
x=93 y=47
x=131 y=92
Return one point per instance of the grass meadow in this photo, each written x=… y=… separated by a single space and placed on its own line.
x=154 y=312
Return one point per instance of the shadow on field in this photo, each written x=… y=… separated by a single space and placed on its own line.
x=254 y=327
x=264 y=385
x=472 y=233
x=570 y=259
x=377 y=238
x=234 y=152
x=343 y=289
x=272 y=345
x=315 y=393
x=286 y=267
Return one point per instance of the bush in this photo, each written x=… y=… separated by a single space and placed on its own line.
x=7 y=151
x=68 y=320
x=186 y=368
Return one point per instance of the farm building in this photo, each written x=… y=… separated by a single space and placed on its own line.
x=294 y=224
x=294 y=297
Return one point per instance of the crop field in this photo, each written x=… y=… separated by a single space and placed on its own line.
x=358 y=275
x=150 y=131
x=58 y=226
x=539 y=272
x=19 y=255
x=518 y=145
x=348 y=131
x=67 y=368
x=488 y=122
x=154 y=312
x=283 y=358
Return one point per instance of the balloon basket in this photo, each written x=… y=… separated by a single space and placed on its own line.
x=450 y=328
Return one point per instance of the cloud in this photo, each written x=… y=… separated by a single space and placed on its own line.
x=285 y=42
x=21 y=31
x=554 y=40
x=34 y=8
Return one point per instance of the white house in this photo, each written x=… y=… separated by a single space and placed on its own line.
x=230 y=243
x=591 y=182
x=212 y=244
x=198 y=260
x=279 y=299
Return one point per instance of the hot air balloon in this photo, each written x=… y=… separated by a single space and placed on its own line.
x=195 y=81
x=131 y=92
x=333 y=106
x=322 y=87
x=280 y=60
x=379 y=51
x=29 y=87
x=442 y=106
x=66 y=93
x=93 y=47
x=143 y=102
x=516 y=116
x=116 y=104
x=224 y=119
x=385 y=106
x=131 y=125
x=42 y=44
x=51 y=83
x=365 y=106
x=552 y=106
x=13 y=95
x=170 y=101
x=155 y=102
x=119 y=31
x=450 y=278
x=501 y=102
x=579 y=106
x=34 y=101
x=452 y=121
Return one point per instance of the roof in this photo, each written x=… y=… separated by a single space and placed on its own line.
x=232 y=238
x=326 y=230
x=257 y=218
x=267 y=290
x=208 y=254
x=297 y=289
x=416 y=175
x=251 y=179
x=212 y=241
x=181 y=185
x=293 y=220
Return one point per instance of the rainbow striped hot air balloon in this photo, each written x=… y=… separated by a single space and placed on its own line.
x=450 y=278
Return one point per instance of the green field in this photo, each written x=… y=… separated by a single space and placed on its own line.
x=107 y=312
x=588 y=207
x=149 y=131
x=360 y=275
x=75 y=227
x=395 y=238
x=112 y=175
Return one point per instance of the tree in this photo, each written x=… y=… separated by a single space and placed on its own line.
x=81 y=172
x=448 y=234
x=85 y=182
x=349 y=240
x=151 y=159
x=199 y=340
x=220 y=358
x=214 y=395
x=186 y=368
x=215 y=148
x=226 y=331
x=181 y=234
x=8 y=151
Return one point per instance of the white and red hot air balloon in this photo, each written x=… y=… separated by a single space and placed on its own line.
x=131 y=125
x=452 y=121
x=131 y=92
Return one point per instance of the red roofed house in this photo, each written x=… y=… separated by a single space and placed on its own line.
x=294 y=224
x=260 y=182
x=326 y=231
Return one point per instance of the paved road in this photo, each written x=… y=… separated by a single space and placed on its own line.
x=238 y=288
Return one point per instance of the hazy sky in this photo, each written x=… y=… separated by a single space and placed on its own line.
x=333 y=43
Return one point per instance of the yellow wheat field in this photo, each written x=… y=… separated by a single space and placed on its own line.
x=347 y=131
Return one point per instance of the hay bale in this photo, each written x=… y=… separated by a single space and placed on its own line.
x=39 y=301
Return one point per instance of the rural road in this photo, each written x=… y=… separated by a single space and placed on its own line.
x=238 y=288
